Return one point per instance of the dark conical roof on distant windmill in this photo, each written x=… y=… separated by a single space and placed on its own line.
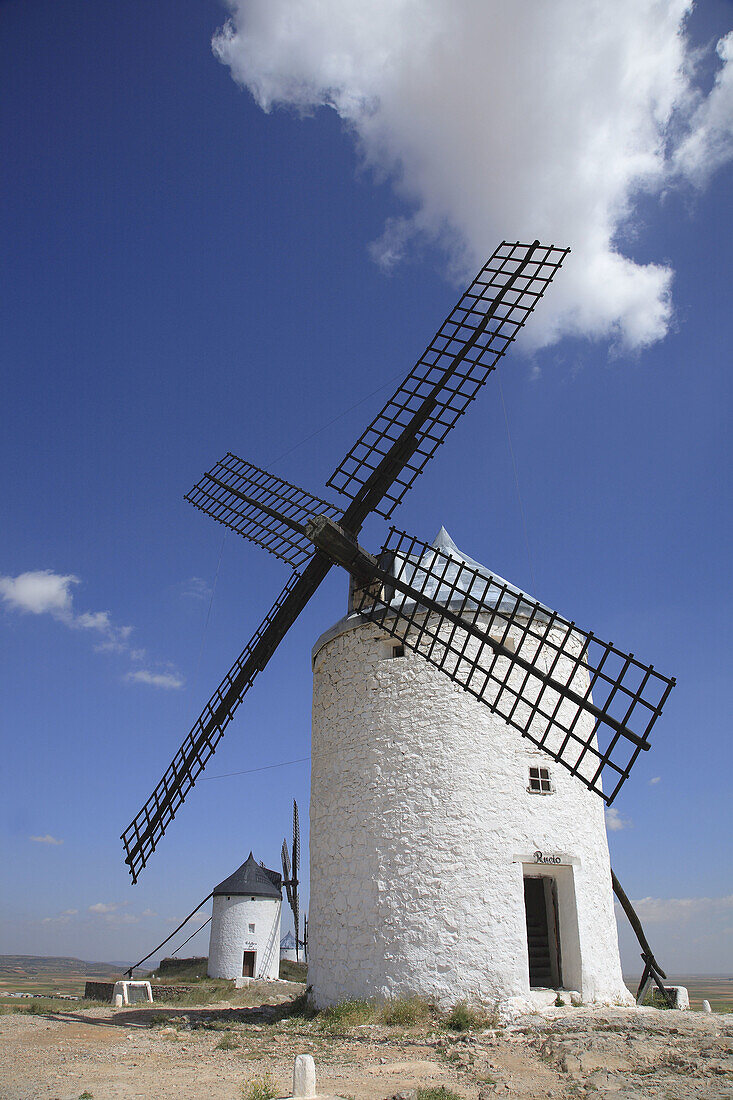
x=252 y=879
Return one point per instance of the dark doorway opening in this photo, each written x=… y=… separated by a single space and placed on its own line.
x=543 y=940
x=248 y=964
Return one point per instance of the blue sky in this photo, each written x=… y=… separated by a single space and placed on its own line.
x=187 y=274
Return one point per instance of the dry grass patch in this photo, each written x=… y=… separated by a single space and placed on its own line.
x=347 y=1014
x=260 y=1088
x=407 y=1012
x=465 y=1017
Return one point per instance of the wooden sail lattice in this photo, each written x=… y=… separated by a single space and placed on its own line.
x=473 y=337
x=584 y=702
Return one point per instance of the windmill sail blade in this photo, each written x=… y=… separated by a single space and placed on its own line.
x=287 y=873
x=584 y=702
x=145 y=831
x=295 y=900
x=296 y=842
x=260 y=507
x=455 y=365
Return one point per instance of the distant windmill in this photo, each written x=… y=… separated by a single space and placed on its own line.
x=532 y=686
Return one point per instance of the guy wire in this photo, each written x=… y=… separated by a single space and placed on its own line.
x=516 y=483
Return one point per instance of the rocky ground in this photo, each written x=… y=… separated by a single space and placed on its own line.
x=216 y=1052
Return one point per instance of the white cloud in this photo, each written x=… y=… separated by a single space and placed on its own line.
x=512 y=120
x=149 y=913
x=43 y=592
x=614 y=821
x=40 y=592
x=168 y=680
x=47 y=839
x=122 y=918
x=709 y=143
x=196 y=588
x=63 y=918
x=110 y=914
x=680 y=910
x=654 y=780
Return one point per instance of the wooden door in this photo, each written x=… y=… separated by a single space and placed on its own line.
x=248 y=964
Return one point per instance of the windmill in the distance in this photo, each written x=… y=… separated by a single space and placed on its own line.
x=583 y=702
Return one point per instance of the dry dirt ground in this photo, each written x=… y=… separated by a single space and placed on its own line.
x=134 y=1053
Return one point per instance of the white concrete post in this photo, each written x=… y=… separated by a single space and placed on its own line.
x=304 y=1076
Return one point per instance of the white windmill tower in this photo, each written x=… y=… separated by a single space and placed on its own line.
x=244 y=941
x=449 y=857
x=588 y=706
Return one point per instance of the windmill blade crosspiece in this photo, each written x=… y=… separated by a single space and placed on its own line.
x=375 y=476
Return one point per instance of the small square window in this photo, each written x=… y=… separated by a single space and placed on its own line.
x=539 y=781
x=398 y=651
x=251 y=928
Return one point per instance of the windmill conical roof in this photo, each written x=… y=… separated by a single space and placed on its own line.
x=253 y=879
x=464 y=575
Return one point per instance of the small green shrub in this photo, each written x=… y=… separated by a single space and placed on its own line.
x=157 y=1019
x=260 y=1088
x=441 y=1093
x=464 y=1017
x=406 y=1012
x=654 y=999
x=35 y=1008
x=227 y=1043
x=347 y=1014
x=86 y=1095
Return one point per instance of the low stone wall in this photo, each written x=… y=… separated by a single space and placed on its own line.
x=170 y=965
x=102 y=991
x=98 y=991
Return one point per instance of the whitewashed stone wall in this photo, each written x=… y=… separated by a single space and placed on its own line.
x=421 y=830
x=230 y=936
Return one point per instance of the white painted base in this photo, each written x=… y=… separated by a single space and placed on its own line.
x=680 y=994
x=131 y=993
